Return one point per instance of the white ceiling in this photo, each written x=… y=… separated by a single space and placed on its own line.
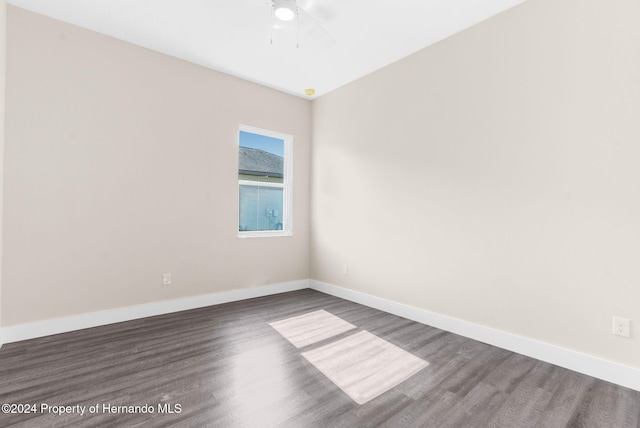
x=233 y=36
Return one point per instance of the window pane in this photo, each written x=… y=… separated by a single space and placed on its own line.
x=261 y=158
x=260 y=208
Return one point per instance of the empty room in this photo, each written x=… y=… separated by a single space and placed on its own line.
x=320 y=213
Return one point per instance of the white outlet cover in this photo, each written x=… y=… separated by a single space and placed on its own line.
x=166 y=279
x=621 y=326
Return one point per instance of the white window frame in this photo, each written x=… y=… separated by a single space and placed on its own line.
x=286 y=185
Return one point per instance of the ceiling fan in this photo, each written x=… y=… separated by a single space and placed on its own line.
x=292 y=21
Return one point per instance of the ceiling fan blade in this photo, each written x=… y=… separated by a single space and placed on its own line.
x=312 y=33
x=317 y=9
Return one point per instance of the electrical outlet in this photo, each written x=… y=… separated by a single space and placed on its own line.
x=345 y=270
x=166 y=279
x=621 y=327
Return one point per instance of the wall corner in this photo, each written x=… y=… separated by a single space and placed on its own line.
x=3 y=75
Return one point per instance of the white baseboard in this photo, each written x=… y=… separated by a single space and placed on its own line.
x=93 y=319
x=583 y=363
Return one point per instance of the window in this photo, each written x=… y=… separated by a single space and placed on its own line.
x=264 y=183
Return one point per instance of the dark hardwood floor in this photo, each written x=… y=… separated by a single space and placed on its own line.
x=224 y=366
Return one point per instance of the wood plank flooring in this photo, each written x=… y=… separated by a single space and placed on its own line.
x=224 y=366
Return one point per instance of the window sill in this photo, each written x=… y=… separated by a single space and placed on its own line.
x=264 y=234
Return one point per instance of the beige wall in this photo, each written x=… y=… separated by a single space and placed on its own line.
x=3 y=68
x=121 y=164
x=494 y=177
x=491 y=177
